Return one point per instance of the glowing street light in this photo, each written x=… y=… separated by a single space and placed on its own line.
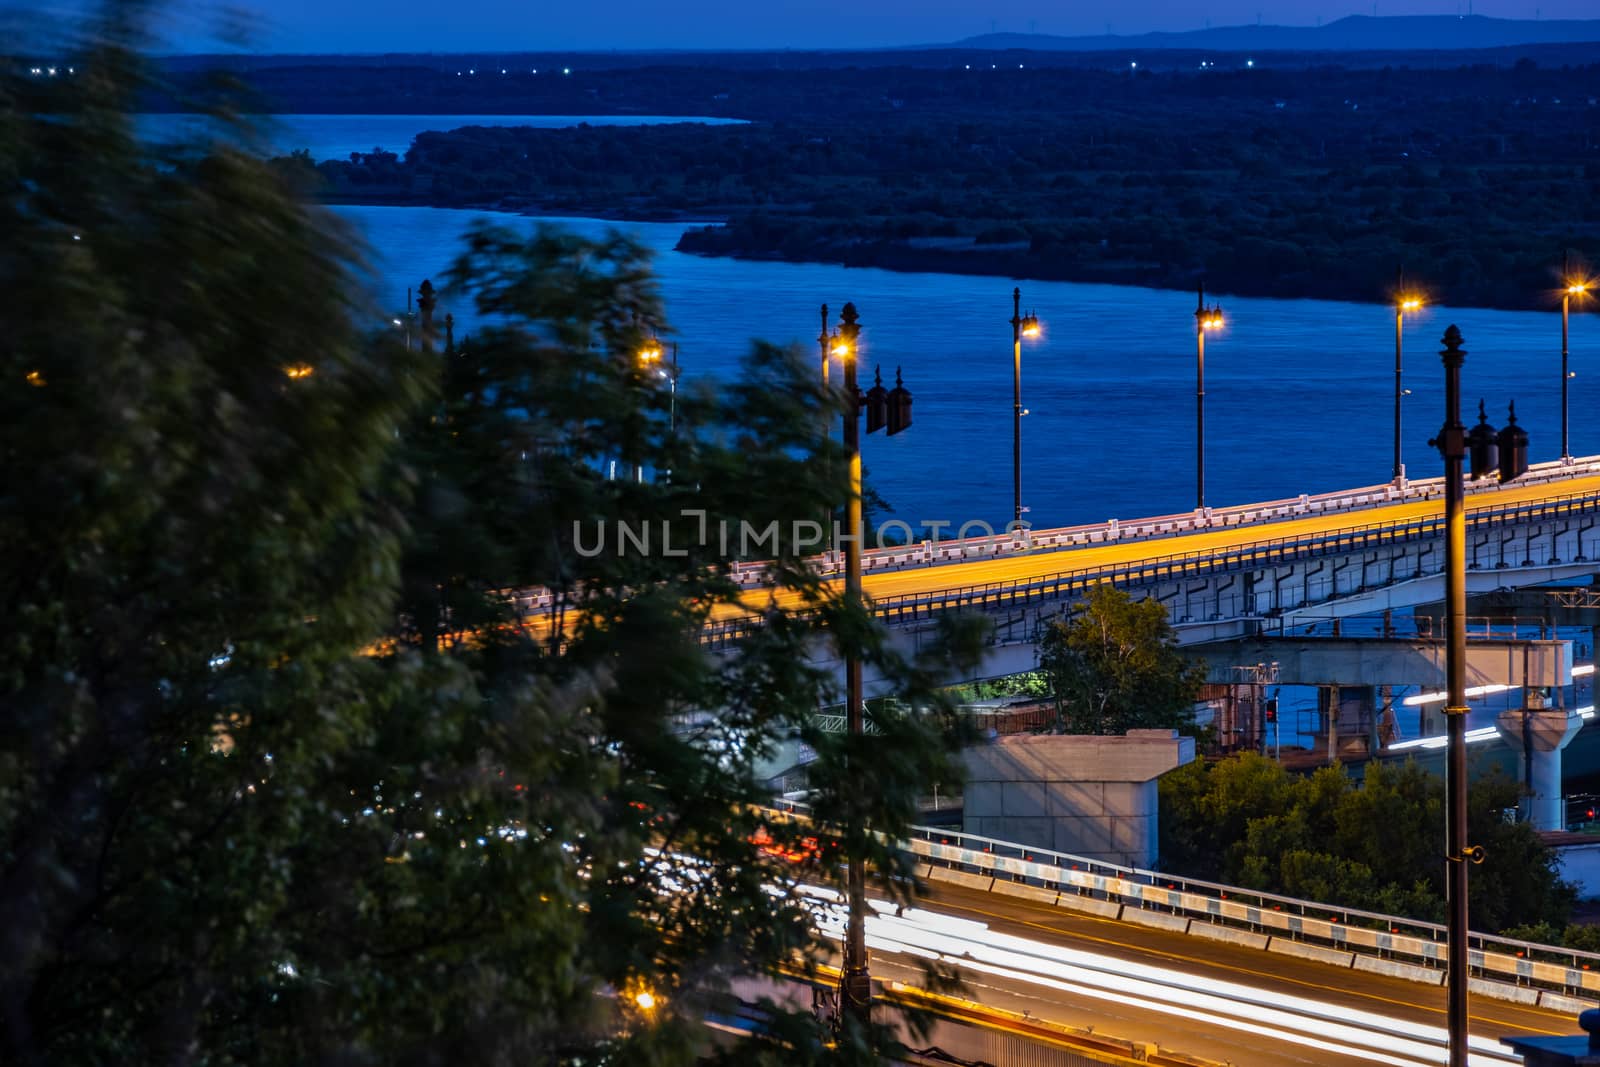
x=1205 y=318
x=1572 y=287
x=1021 y=326
x=1403 y=302
x=298 y=370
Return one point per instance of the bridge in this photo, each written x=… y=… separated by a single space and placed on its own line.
x=1228 y=573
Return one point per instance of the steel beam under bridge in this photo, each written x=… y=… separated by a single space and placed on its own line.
x=1361 y=661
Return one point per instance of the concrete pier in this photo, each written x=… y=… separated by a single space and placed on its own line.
x=1540 y=734
x=1092 y=796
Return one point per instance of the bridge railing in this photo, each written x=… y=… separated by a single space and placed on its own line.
x=1414 y=948
x=1253 y=555
x=927 y=553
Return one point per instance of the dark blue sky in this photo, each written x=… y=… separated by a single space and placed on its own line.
x=537 y=25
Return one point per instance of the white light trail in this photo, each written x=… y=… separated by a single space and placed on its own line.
x=1296 y=1020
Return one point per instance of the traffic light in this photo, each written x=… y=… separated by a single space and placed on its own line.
x=1272 y=710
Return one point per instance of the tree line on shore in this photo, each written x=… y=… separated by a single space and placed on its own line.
x=1303 y=184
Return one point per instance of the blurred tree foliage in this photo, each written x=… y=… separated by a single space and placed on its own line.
x=1374 y=845
x=1114 y=665
x=284 y=778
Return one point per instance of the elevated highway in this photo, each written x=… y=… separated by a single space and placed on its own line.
x=1222 y=573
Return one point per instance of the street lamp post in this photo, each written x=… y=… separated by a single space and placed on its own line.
x=1507 y=451
x=856 y=982
x=891 y=408
x=1570 y=288
x=1403 y=302
x=1021 y=326
x=1205 y=318
x=650 y=359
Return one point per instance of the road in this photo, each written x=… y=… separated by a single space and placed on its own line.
x=1219 y=1001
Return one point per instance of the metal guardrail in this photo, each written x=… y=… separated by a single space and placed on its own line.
x=1535 y=968
x=1525 y=963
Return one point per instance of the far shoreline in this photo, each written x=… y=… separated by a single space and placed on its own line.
x=888 y=263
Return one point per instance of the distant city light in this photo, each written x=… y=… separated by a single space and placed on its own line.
x=1249 y=62
x=1134 y=65
x=566 y=70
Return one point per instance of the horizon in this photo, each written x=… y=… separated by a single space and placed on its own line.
x=364 y=27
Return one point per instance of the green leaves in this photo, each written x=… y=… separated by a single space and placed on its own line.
x=1115 y=666
x=1376 y=844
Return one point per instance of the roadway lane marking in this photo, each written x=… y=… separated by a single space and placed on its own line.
x=1179 y=957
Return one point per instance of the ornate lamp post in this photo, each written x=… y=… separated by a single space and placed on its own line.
x=651 y=354
x=1505 y=452
x=1021 y=326
x=891 y=408
x=1205 y=318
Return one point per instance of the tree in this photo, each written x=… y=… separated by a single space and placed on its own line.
x=283 y=777
x=1115 y=666
x=1372 y=844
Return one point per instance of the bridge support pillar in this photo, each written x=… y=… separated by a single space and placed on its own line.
x=1540 y=734
x=1087 y=795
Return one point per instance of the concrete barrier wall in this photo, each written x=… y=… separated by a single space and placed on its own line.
x=1564 y=1004
x=1037 y=893
x=1300 y=950
x=1395 y=969
x=1161 y=920
x=963 y=878
x=1517 y=994
x=1106 y=909
x=1228 y=934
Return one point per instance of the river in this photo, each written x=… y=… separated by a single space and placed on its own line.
x=1299 y=393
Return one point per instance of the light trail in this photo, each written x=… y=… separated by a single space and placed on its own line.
x=1296 y=1020
x=1482 y=733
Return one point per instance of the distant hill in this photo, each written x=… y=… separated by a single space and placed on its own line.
x=1353 y=33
